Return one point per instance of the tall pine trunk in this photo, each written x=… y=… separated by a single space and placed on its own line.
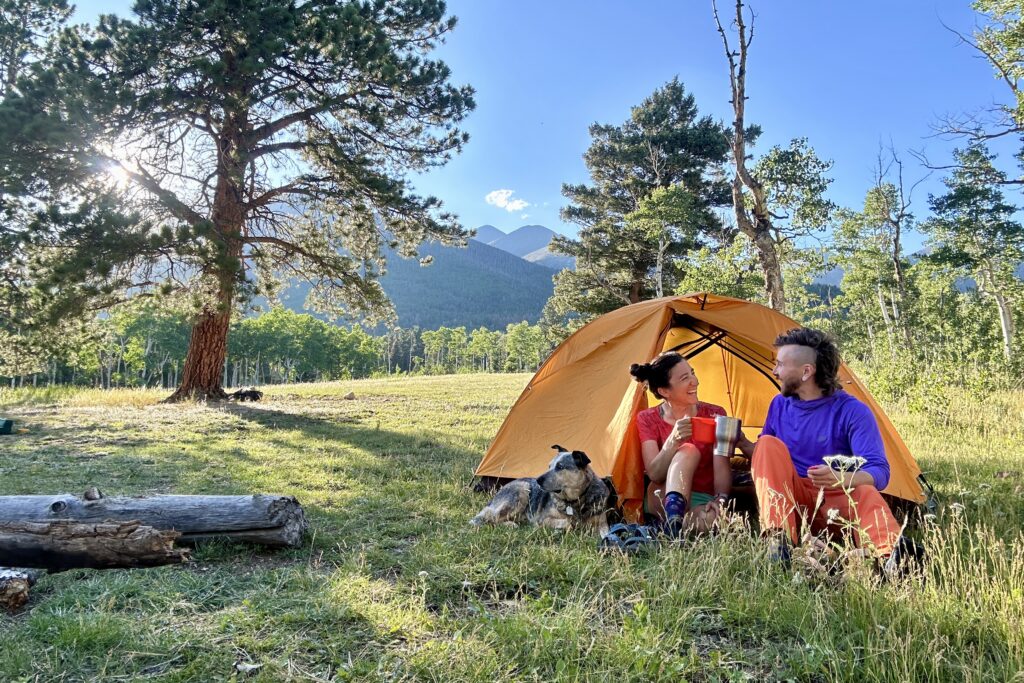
x=636 y=289
x=207 y=348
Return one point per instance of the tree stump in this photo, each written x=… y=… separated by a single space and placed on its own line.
x=14 y=585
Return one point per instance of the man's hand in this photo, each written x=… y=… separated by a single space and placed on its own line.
x=825 y=477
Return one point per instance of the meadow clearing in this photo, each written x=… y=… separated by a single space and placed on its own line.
x=392 y=584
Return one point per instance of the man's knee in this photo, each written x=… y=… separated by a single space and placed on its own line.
x=768 y=449
x=865 y=493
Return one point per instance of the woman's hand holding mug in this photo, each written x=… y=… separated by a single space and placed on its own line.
x=682 y=431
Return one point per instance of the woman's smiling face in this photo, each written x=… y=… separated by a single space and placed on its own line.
x=682 y=385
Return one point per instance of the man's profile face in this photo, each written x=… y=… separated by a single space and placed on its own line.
x=794 y=365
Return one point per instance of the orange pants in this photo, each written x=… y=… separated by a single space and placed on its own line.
x=784 y=499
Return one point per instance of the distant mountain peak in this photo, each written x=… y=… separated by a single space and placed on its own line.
x=488 y=234
x=528 y=242
x=525 y=240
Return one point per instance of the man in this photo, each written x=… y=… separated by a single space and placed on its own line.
x=810 y=419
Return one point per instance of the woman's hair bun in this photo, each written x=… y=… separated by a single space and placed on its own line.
x=641 y=371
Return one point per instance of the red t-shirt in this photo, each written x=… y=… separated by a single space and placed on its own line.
x=651 y=427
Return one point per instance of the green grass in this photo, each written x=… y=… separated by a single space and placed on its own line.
x=393 y=584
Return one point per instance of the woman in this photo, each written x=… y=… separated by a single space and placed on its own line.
x=692 y=483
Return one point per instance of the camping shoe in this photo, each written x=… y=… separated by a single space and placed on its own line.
x=673 y=528
x=905 y=559
x=629 y=539
x=780 y=552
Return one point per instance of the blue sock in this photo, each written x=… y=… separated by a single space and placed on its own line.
x=675 y=504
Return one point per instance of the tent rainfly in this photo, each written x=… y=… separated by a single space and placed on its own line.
x=584 y=397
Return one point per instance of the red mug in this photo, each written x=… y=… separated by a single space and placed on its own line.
x=703 y=429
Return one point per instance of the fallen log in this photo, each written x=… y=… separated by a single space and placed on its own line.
x=69 y=545
x=14 y=585
x=263 y=519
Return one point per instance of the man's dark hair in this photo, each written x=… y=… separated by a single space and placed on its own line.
x=656 y=373
x=826 y=355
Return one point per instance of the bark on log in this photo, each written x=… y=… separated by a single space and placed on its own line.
x=267 y=520
x=68 y=545
x=14 y=585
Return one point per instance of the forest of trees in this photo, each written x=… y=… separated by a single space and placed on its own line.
x=144 y=345
x=273 y=146
x=678 y=202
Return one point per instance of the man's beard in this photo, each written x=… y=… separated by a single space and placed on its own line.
x=790 y=387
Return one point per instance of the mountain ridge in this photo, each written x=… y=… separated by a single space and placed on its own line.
x=473 y=286
x=529 y=242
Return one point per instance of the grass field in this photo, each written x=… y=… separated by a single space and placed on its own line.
x=393 y=585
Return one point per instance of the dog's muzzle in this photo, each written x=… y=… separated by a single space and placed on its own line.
x=542 y=482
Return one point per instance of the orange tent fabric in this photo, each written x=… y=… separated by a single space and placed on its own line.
x=584 y=398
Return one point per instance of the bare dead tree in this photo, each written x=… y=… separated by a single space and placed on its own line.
x=755 y=222
x=894 y=202
x=985 y=123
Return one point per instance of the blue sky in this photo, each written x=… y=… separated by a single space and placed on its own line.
x=846 y=75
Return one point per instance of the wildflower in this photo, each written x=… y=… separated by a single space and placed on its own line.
x=957 y=507
x=467 y=584
x=833 y=515
x=844 y=463
x=930 y=518
x=424 y=574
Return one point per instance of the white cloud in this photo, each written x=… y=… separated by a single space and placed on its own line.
x=524 y=216
x=503 y=200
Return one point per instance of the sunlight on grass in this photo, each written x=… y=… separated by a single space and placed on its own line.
x=76 y=396
x=393 y=585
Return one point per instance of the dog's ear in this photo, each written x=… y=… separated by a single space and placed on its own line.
x=581 y=459
x=560 y=449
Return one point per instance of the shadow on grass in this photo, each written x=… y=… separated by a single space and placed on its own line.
x=368 y=490
x=370 y=493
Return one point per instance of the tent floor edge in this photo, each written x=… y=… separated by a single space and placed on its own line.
x=487 y=484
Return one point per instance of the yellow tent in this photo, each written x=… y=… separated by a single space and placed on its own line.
x=584 y=398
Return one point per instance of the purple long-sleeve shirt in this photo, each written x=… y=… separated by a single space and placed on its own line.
x=833 y=425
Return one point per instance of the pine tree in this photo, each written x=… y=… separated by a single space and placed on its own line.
x=250 y=139
x=973 y=229
x=25 y=30
x=629 y=237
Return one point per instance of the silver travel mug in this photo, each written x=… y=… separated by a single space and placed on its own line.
x=727 y=434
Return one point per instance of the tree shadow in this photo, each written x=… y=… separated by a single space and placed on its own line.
x=365 y=489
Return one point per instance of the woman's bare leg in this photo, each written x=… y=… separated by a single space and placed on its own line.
x=680 y=471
